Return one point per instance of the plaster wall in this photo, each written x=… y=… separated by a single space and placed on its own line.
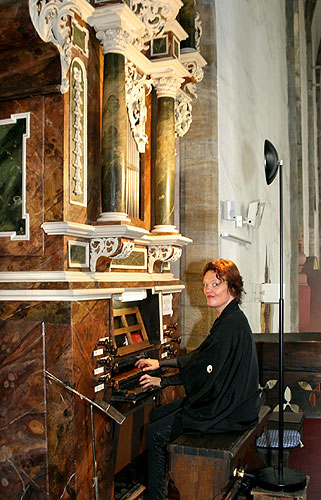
x=252 y=107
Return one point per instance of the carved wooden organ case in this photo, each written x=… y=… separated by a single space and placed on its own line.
x=94 y=96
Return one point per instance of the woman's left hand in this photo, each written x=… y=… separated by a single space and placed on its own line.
x=148 y=381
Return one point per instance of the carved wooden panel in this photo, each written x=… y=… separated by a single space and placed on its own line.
x=302 y=371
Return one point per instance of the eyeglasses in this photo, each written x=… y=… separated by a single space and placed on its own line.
x=213 y=284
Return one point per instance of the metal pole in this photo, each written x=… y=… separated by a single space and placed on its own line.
x=281 y=334
x=95 y=478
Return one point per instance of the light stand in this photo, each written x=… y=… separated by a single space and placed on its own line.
x=270 y=478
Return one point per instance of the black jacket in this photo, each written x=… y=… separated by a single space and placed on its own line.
x=221 y=377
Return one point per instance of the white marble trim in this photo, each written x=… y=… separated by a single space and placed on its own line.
x=86 y=34
x=84 y=244
x=59 y=295
x=65 y=228
x=81 y=294
x=169 y=288
x=12 y=234
x=81 y=277
x=140 y=235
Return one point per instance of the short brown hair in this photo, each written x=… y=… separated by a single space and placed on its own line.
x=226 y=270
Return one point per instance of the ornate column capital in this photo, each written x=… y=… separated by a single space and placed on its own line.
x=115 y=40
x=117 y=28
x=167 y=86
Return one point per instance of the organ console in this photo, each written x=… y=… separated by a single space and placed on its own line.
x=139 y=329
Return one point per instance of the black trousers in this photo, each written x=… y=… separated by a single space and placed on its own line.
x=165 y=426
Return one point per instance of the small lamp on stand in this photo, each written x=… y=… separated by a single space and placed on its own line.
x=282 y=478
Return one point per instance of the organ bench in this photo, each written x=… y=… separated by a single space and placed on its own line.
x=201 y=465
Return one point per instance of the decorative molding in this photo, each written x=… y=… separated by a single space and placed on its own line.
x=163 y=253
x=136 y=86
x=82 y=277
x=23 y=201
x=140 y=235
x=107 y=247
x=167 y=239
x=85 y=33
x=76 y=295
x=77 y=138
x=183 y=113
x=78 y=131
x=164 y=228
x=113 y=217
x=67 y=228
x=177 y=29
x=121 y=230
x=169 y=288
x=50 y=19
x=59 y=295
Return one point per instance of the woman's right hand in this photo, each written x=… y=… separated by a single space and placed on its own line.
x=147 y=364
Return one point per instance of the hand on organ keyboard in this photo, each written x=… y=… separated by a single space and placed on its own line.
x=148 y=381
x=147 y=364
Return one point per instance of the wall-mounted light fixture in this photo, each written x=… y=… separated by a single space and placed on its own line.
x=254 y=213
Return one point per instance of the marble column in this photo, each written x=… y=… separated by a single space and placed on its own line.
x=114 y=139
x=166 y=89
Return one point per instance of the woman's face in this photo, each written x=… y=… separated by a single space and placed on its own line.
x=216 y=291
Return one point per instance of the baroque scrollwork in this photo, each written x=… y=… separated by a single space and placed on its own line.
x=50 y=19
x=136 y=85
x=183 y=114
x=197 y=73
x=126 y=250
x=155 y=14
x=163 y=253
x=109 y=247
x=102 y=247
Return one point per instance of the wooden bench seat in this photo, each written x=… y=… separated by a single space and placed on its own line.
x=201 y=465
